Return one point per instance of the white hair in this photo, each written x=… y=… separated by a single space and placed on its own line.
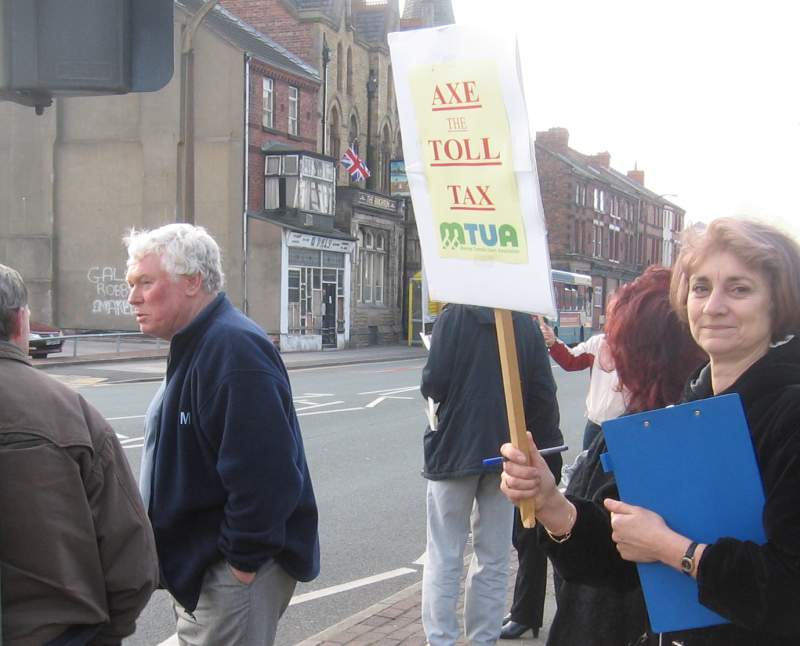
x=184 y=250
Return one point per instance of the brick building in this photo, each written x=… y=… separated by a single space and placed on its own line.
x=346 y=40
x=601 y=222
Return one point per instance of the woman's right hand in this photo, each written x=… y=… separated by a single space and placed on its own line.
x=523 y=481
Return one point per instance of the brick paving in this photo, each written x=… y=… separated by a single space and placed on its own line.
x=398 y=620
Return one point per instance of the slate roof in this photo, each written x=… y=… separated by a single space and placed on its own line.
x=580 y=165
x=246 y=37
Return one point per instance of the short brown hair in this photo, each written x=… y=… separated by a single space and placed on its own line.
x=758 y=246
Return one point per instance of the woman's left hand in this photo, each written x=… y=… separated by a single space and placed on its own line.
x=640 y=534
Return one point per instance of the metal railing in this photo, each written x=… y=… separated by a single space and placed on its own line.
x=118 y=336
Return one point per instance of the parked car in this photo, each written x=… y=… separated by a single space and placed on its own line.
x=44 y=340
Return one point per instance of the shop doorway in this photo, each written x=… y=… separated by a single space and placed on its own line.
x=328 y=315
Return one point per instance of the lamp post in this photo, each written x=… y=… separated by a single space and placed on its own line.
x=326 y=58
x=372 y=87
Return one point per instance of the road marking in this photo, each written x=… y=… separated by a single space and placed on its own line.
x=325 y=412
x=421 y=559
x=133 y=446
x=382 y=398
x=120 y=436
x=326 y=592
x=352 y=585
x=310 y=405
x=116 y=419
x=390 y=391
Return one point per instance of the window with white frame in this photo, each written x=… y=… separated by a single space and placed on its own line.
x=372 y=269
x=267 y=102
x=599 y=200
x=294 y=109
x=597 y=247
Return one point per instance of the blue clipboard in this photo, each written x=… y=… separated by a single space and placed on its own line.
x=694 y=464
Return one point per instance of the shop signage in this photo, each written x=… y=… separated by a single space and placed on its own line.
x=377 y=201
x=297 y=239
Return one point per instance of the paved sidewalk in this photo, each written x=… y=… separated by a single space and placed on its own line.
x=397 y=620
x=293 y=360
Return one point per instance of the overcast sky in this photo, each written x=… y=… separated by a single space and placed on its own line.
x=703 y=95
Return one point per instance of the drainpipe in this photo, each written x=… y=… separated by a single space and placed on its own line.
x=326 y=58
x=186 y=142
x=246 y=189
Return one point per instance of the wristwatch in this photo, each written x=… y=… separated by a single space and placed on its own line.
x=687 y=561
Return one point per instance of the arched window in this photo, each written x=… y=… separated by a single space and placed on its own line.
x=349 y=71
x=339 y=67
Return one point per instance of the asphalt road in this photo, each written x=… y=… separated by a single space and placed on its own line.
x=362 y=427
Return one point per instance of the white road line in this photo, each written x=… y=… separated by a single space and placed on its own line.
x=352 y=585
x=116 y=419
x=377 y=401
x=120 y=436
x=326 y=592
x=390 y=391
x=310 y=405
x=325 y=412
x=421 y=559
x=132 y=440
x=133 y=446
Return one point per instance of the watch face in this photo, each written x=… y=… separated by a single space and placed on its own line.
x=687 y=564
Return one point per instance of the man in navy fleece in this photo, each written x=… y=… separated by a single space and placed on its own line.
x=224 y=475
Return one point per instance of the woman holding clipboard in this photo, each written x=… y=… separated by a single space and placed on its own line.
x=737 y=285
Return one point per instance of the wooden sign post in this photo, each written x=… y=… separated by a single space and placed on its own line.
x=515 y=408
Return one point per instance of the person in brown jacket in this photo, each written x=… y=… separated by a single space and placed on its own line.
x=77 y=557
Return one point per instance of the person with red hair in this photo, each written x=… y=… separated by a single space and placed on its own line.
x=736 y=284
x=653 y=355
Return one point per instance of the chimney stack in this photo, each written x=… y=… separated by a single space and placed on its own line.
x=636 y=175
x=557 y=139
x=601 y=159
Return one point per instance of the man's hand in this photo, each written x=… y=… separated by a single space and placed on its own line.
x=243 y=577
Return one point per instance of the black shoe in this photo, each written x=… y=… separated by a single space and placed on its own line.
x=507 y=618
x=513 y=630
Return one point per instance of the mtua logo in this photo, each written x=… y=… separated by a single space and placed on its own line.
x=487 y=236
x=185 y=418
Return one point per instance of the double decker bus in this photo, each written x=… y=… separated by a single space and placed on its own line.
x=573 y=293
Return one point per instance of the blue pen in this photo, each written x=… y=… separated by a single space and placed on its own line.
x=491 y=462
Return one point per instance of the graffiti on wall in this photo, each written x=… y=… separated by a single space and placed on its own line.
x=111 y=291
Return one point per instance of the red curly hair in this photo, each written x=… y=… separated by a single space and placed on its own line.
x=653 y=351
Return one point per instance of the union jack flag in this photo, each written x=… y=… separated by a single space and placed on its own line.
x=354 y=165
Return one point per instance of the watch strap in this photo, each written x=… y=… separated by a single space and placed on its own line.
x=687 y=561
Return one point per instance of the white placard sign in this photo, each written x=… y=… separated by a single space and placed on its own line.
x=471 y=170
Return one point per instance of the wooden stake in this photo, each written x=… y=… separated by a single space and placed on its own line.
x=515 y=408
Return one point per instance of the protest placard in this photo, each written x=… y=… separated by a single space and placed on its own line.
x=472 y=175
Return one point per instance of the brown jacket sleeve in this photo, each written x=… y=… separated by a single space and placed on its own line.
x=124 y=535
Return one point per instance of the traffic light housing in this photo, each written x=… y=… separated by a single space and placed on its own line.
x=83 y=48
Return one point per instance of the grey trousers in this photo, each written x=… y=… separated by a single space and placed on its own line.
x=234 y=614
x=455 y=506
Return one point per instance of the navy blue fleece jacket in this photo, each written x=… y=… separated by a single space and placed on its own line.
x=230 y=479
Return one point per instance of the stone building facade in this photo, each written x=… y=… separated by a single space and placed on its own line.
x=89 y=169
